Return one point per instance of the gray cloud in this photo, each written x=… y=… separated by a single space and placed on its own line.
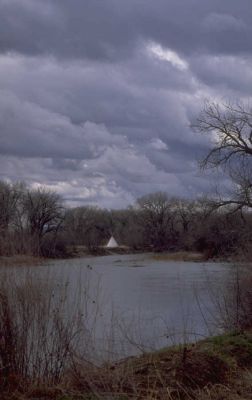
x=96 y=98
x=113 y=28
x=223 y=22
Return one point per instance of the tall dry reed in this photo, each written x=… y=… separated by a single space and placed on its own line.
x=44 y=327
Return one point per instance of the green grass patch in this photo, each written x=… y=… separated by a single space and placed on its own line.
x=234 y=348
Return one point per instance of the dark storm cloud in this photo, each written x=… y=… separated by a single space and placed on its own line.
x=113 y=28
x=97 y=97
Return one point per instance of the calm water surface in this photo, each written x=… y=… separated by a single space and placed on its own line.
x=140 y=303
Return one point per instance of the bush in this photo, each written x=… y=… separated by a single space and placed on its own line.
x=53 y=248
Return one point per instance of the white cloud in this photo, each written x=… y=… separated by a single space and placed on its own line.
x=158 y=144
x=166 y=54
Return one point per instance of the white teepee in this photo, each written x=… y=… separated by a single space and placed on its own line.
x=112 y=243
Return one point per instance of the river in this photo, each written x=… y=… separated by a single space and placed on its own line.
x=137 y=303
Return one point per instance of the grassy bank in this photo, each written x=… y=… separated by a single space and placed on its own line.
x=23 y=260
x=179 y=256
x=81 y=252
x=217 y=368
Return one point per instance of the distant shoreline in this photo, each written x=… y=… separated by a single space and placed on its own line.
x=28 y=260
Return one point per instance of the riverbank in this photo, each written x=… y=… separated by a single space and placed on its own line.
x=216 y=368
x=82 y=252
x=21 y=260
x=180 y=256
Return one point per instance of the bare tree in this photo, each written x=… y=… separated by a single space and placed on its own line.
x=9 y=199
x=87 y=226
x=44 y=215
x=230 y=130
x=157 y=218
x=126 y=226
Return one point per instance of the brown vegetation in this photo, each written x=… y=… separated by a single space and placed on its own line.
x=180 y=256
x=30 y=221
x=39 y=336
x=218 y=368
x=19 y=259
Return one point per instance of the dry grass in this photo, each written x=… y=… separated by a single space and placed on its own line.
x=179 y=256
x=210 y=370
x=219 y=368
x=41 y=329
x=20 y=260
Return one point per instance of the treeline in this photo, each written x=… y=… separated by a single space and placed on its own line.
x=35 y=221
x=30 y=220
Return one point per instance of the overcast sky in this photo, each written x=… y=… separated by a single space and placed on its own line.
x=97 y=96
